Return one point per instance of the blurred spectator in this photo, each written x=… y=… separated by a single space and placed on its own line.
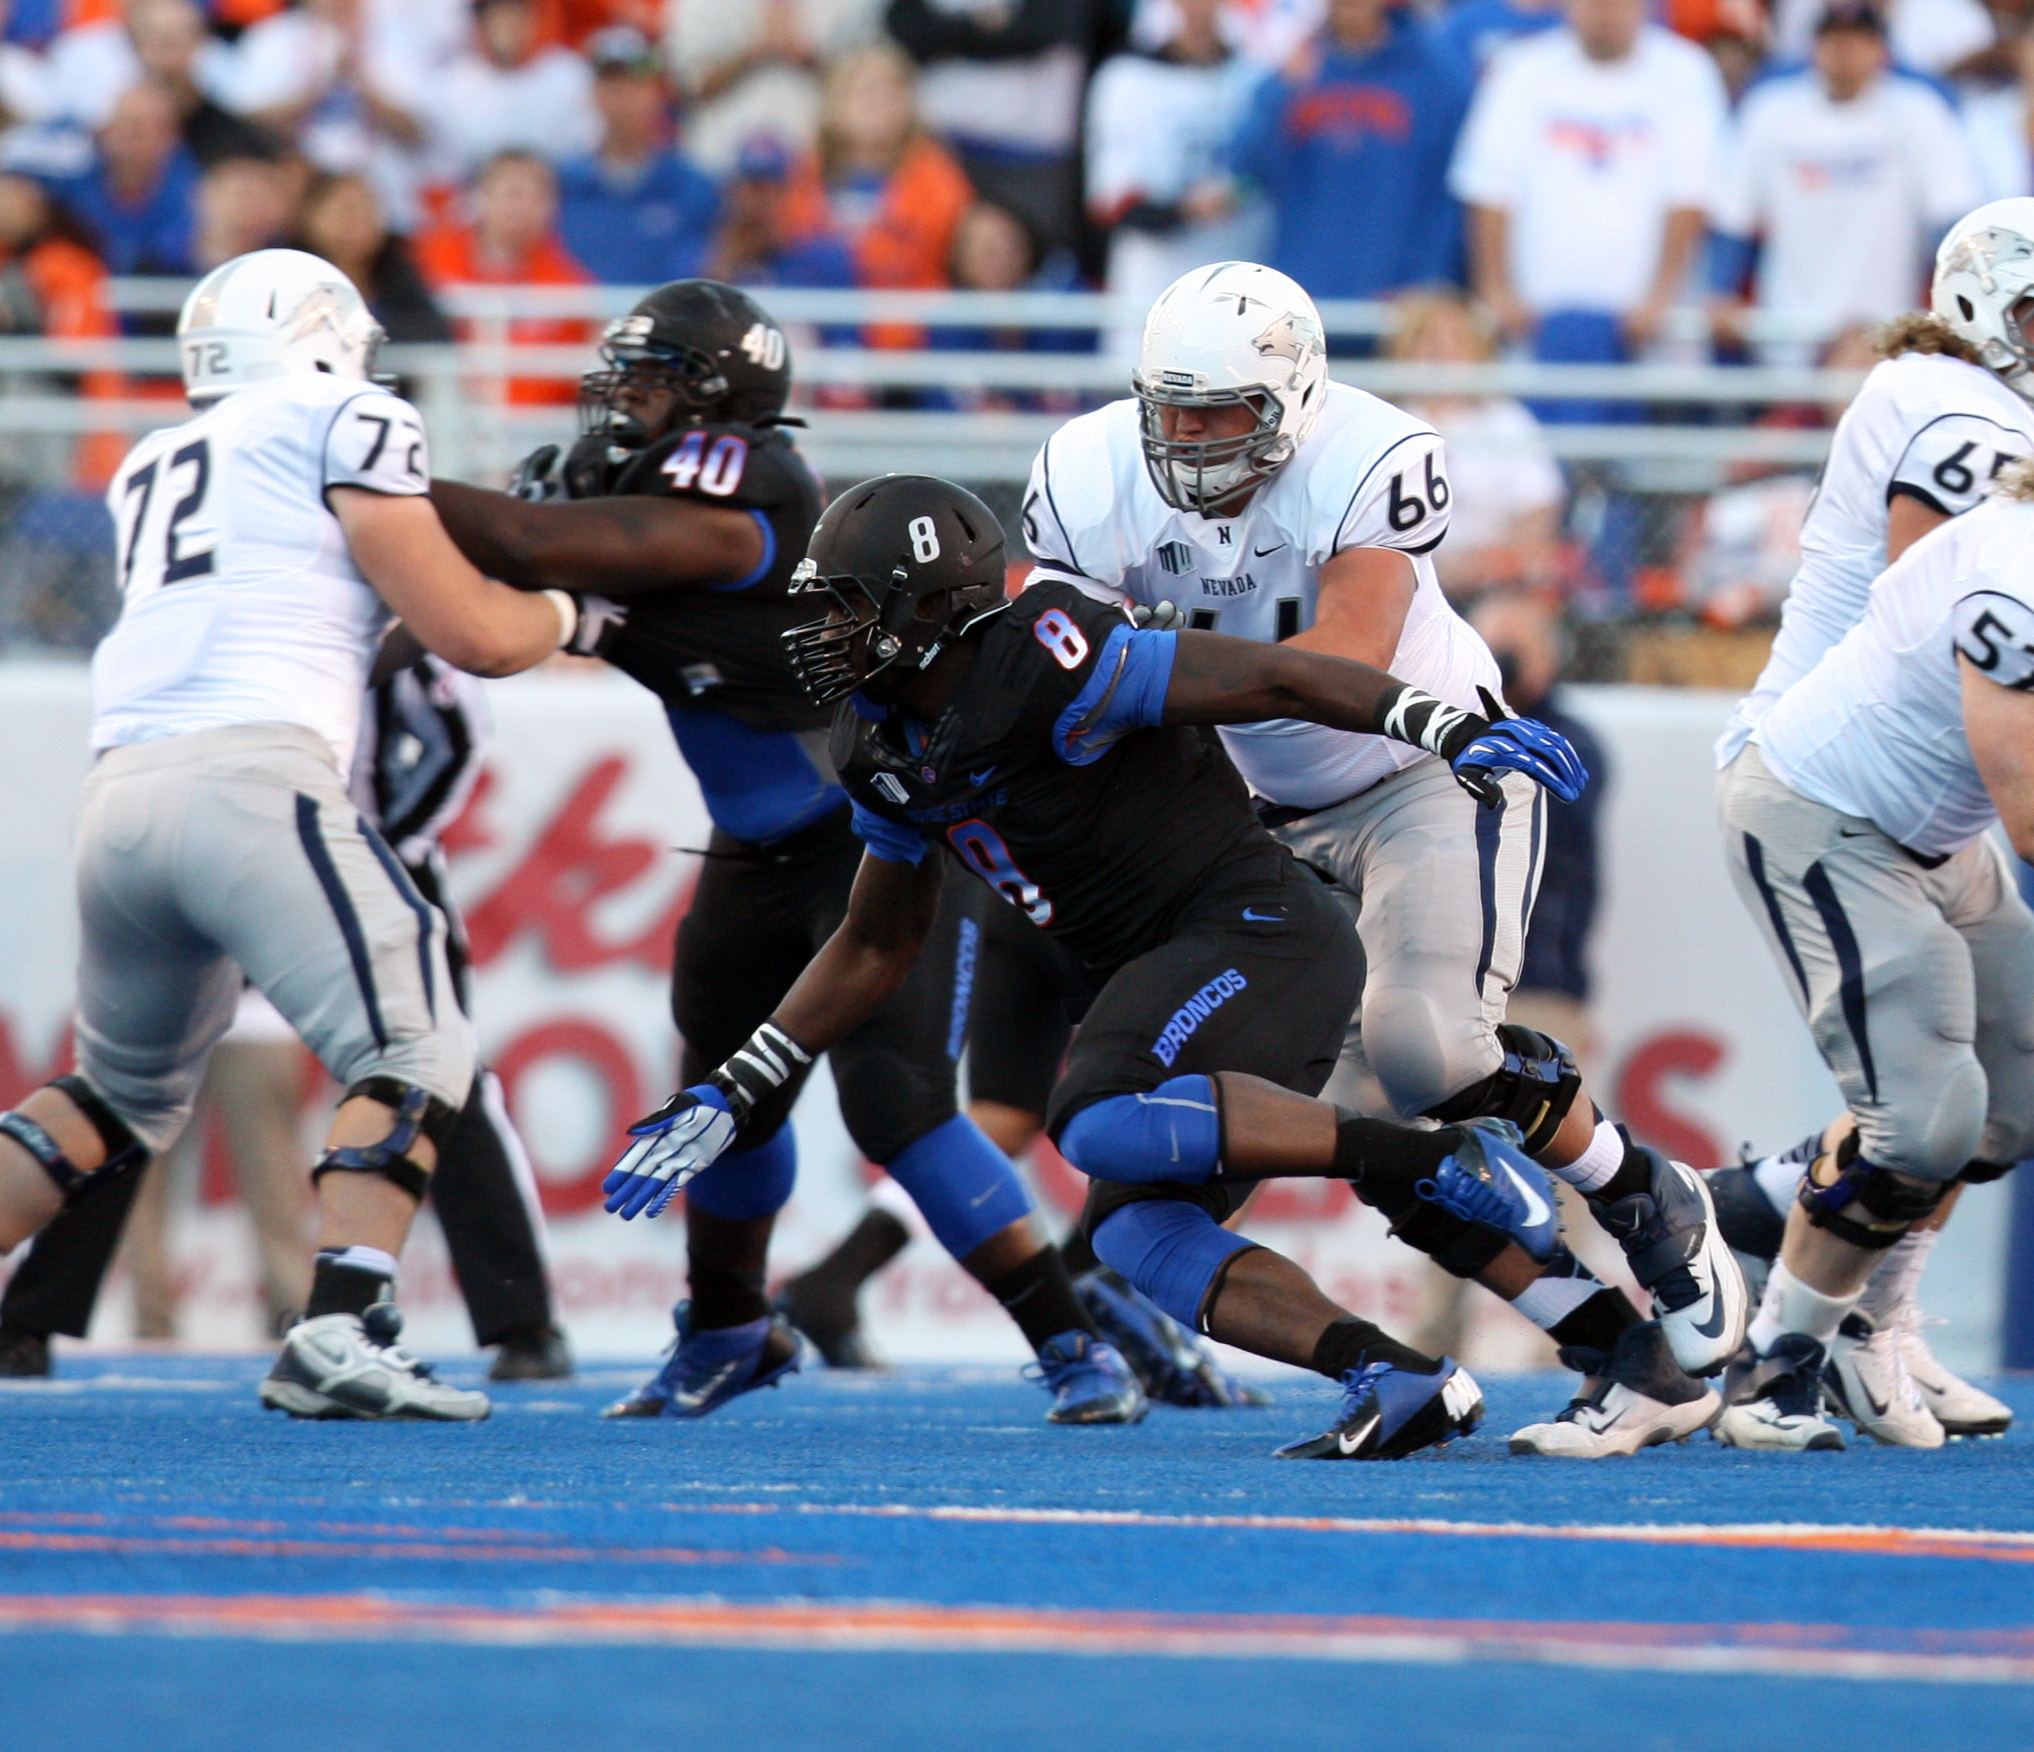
x=51 y=283
x=1159 y=182
x=1587 y=162
x=243 y=204
x=993 y=252
x=1504 y=520
x=1351 y=143
x=1474 y=30
x=751 y=69
x=138 y=199
x=757 y=244
x=1001 y=81
x=878 y=182
x=345 y=95
x=92 y=65
x=27 y=95
x=1841 y=179
x=2001 y=128
x=170 y=39
x=343 y=222
x=634 y=213
x=512 y=241
x=506 y=93
x=1929 y=36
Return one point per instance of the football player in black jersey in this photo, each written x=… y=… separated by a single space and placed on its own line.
x=1049 y=746
x=686 y=502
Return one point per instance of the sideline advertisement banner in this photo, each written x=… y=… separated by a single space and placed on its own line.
x=574 y=862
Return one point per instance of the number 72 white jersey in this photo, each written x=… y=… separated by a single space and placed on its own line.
x=1369 y=475
x=241 y=604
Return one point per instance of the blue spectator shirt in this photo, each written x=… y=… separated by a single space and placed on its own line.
x=1354 y=159
x=1476 y=29
x=155 y=237
x=641 y=230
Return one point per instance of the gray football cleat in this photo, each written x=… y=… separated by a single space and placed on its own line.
x=349 y=1365
x=1866 y=1380
x=1782 y=1407
x=1677 y=1251
x=1641 y=1398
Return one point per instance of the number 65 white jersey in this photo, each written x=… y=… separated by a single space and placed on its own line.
x=1369 y=475
x=241 y=602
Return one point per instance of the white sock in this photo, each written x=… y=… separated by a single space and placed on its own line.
x=1896 y=1283
x=1595 y=1166
x=1547 y=1301
x=1778 y=1178
x=362 y=1259
x=1790 y=1305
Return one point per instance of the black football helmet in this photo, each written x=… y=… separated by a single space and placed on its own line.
x=903 y=564
x=712 y=347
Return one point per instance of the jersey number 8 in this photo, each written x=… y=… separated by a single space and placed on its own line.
x=982 y=849
x=1066 y=642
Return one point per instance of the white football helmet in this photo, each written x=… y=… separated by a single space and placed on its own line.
x=273 y=313
x=1229 y=335
x=1984 y=286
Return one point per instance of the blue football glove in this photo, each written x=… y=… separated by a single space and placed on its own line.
x=1519 y=745
x=687 y=1134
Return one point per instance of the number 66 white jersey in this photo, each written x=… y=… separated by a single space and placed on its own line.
x=241 y=602
x=1369 y=475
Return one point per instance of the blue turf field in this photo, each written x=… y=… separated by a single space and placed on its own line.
x=915 y=1560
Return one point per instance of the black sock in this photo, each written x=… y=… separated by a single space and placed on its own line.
x=1079 y=1255
x=1350 y=1343
x=1597 y=1322
x=1634 y=1174
x=338 y=1288
x=827 y=1291
x=1385 y=1161
x=1039 y=1296
x=725 y=1257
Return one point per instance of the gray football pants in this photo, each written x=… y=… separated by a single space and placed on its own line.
x=1441 y=890
x=204 y=855
x=1918 y=984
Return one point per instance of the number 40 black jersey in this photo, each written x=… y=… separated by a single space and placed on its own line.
x=1050 y=777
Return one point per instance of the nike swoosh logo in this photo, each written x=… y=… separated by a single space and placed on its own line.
x=982 y=777
x=1258 y=918
x=1261 y=552
x=705 y=1390
x=1536 y=1207
x=1350 y=1440
x=1713 y=1326
x=975 y=1204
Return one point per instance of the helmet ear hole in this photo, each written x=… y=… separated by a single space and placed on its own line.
x=1969 y=310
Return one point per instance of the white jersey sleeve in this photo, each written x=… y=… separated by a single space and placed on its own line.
x=1400 y=498
x=1994 y=633
x=376 y=441
x=1082 y=519
x=1949 y=464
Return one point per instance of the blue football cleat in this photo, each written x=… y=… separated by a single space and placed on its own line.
x=1389 y=1412
x=1089 y=1382
x=1170 y=1363
x=1491 y=1180
x=706 y=1369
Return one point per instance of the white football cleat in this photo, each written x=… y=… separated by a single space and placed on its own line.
x=1960 y=1408
x=1641 y=1399
x=1867 y=1381
x=1784 y=1410
x=1676 y=1250
x=341 y=1365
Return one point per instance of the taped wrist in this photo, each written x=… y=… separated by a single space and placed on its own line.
x=1386 y=1163
x=418 y=1113
x=1408 y=715
x=762 y=1065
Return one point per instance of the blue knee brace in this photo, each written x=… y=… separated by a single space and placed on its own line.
x=749 y=1183
x=1173 y=1133
x=1171 y=1250
x=962 y=1184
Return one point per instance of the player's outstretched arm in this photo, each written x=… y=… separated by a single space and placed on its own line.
x=472 y=622
x=618 y=547
x=1219 y=680
x=856 y=972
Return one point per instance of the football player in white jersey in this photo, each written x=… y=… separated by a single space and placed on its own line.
x=1242 y=491
x=263 y=545
x=1924 y=440
x=1856 y=824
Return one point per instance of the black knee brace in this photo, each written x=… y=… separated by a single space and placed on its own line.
x=123 y=1149
x=1896 y=1201
x=417 y=1111
x=1980 y=1173
x=1533 y=1088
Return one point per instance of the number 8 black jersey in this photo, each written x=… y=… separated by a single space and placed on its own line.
x=721 y=648
x=1049 y=778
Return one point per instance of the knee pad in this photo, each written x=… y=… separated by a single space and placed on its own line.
x=1173 y=1251
x=418 y=1113
x=1892 y=1202
x=963 y=1186
x=1173 y=1133
x=1533 y=1088
x=1983 y=1173
x=123 y=1149
x=748 y=1183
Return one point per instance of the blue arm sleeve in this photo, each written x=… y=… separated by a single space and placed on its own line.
x=888 y=840
x=1125 y=691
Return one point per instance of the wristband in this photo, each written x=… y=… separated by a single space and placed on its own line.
x=568 y=615
x=762 y=1065
x=1409 y=715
